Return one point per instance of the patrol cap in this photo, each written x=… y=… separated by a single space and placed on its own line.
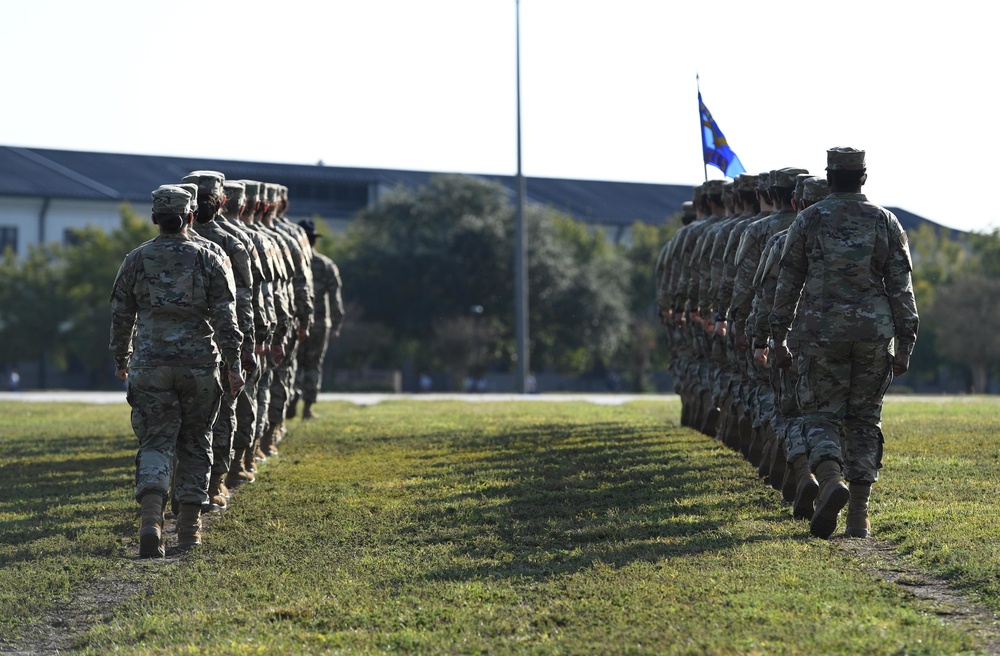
x=310 y=228
x=236 y=192
x=209 y=183
x=786 y=177
x=253 y=190
x=282 y=192
x=764 y=181
x=746 y=182
x=712 y=187
x=696 y=193
x=845 y=159
x=687 y=208
x=814 y=189
x=727 y=190
x=799 y=180
x=192 y=189
x=171 y=199
x=270 y=192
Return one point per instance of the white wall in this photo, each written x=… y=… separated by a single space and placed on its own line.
x=25 y=213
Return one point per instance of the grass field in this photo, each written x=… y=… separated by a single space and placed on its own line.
x=494 y=528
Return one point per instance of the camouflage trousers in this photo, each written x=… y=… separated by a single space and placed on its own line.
x=173 y=410
x=246 y=411
x=225 y=426
x=263 y=395
x=282 y=384
x=787 y=404
x=840 y=391
x=311 y=354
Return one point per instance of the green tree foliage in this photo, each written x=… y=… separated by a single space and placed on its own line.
x=421 y=259
x=968 y=312
x=55 y=300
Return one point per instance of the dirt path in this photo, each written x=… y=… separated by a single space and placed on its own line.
x=931 y=595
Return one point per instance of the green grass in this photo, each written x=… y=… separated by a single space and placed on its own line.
x=550 y=528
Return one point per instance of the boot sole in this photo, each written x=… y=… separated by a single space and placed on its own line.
x=824 y=520
x=150 y=544
x=856 y=532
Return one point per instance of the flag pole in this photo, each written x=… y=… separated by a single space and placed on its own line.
x=704 y=164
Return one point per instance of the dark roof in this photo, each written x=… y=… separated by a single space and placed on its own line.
x=911 y=221
x=329 y=191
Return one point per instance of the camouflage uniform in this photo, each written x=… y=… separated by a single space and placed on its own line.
x=171 y=302
x=210 y=184
x=329 y=317
x=850 y=262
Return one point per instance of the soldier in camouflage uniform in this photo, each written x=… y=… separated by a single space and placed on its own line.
x=799 y=486
x=301 y=306
x=328 y=318
x=210 y=199
x=672 y=335
x=172 y=301
x=850 y=262
x=263 y=328
x=748 y=258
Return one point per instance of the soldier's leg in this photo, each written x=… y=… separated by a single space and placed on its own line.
x=243 y=437
x=871 y=374
x=199 y=393
x=156 y=421
x=311 y=368
x=222 y=445
x=823 y=391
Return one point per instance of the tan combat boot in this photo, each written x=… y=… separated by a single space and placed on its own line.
x=776 y=476
x=267 y=446
x=807 y=487
x=833 y=495
x=858 y=525
x=238 y=473
x=151 y=530
x=216 y=501
x=189 y=526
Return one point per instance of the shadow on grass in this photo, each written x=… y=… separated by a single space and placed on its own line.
x=60 y=496
x=558 y=499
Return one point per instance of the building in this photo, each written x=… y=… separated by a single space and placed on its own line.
x=45 y=193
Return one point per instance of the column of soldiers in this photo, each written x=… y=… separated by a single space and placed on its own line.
x=789 y=307
x=225 y=293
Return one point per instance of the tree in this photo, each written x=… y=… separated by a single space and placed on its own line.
x=966 y=314
x=419 y=259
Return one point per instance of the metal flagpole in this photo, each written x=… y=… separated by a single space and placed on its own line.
x=704 y=164
x=520 y=243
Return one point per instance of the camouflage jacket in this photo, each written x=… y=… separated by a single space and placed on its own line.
x=748 y=259
x=850 y=261
x=172 y=300
x=729 y=265
x=326 y=286
x=765 y=282
x=239 y=260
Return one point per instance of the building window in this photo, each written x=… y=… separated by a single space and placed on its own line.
x=8 y=238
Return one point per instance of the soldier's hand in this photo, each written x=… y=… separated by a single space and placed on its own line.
x=709 y=325
x=900 y=363
x=235 y=382
x=303 y=332
x=122 y=374
x=277 y=352
x=782 y=356
x=741 y=342
x=695 y=317
x=760 y=356
x=335 y=334
x=248 y=361
x=260 y=348
x=720 y=328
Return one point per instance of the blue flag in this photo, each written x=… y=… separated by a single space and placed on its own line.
x=714 y=145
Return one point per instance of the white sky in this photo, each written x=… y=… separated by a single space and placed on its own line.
x=608 y=88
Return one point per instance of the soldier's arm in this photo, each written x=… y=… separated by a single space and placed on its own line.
x=899 y=286
x=222 y=311
x=336 y=302
x=724 y=296
x=793 y=267
x=747 y=260
x=766 y=289
x=123 y=312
